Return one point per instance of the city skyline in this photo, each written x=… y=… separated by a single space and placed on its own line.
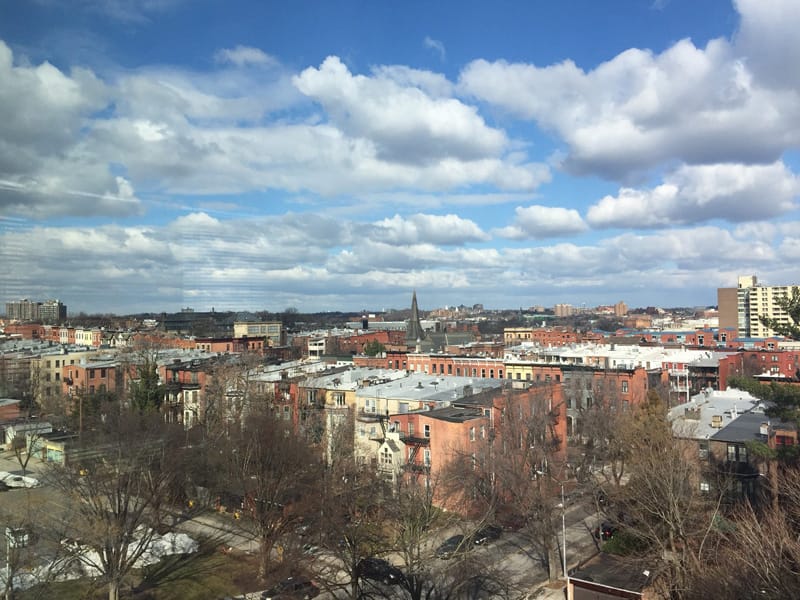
x=259 y=156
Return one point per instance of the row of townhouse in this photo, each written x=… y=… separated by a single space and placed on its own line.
x=413 y=425
x=621 y=372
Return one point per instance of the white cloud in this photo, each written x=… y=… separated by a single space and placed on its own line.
x=420 y=228
x=243 y=56
x=695 y=194
x=404 y=124
x=640 y=109
x=768 y=40
x=538 y=222
x=46 y=170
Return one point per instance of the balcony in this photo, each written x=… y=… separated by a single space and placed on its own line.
x=418 y=468
x=416 y=440
x=366 y=416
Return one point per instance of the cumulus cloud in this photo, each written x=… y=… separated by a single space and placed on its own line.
x=716 y=104
x=694 y=194
x=538 y=222
x=420 y=228
x=243 y=56
x=45 y=167
x=403 y=123
x=767 y=38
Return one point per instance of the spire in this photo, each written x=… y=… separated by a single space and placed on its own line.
x=414 y=330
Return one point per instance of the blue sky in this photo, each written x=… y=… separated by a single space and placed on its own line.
x=157 y=154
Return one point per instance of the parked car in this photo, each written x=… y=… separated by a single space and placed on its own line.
x=379 y=569
x=453 y=545
x=292 y=588
x=486 y=534
x=605 y=531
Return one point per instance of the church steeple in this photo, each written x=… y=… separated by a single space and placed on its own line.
x=414 y=330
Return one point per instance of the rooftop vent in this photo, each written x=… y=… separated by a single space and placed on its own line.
x=716 y=421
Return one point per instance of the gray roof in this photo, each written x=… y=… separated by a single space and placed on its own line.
x=693 y=420
x=430 y=388
x=745 y=428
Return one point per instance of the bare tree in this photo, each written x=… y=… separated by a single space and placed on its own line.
x=274 y=472
x=121 y=485
x=663 y=511
x=27 y=440
x=520 y=478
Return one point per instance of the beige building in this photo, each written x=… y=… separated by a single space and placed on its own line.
x=564 y=310
x=752 y=301
x=271 y=331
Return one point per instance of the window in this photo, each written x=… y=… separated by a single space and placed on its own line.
x=102 y=373
x=427 y=457
x=704 y=486
x=410 y=429
x=427 y=431
x=703 y=453
x=91 y=373
x=731 y=453
x=287 y=412
x=624 y=387
x=338 y=399
x=362 y=431
x=471 y=434
x=483 y=432
x=449 y=369
x=386 y=457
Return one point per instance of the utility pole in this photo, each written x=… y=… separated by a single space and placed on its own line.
x=564 y=531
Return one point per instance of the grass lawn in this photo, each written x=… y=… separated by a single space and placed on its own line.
x=208 y=574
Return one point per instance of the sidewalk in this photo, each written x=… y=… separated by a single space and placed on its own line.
x=556 y=591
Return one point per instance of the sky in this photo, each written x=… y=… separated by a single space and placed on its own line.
x=262 y=154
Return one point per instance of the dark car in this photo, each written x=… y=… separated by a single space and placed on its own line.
x=605 y=531
x=293 y=588
x=486 y=534
x=453 y=545
x=378 y=569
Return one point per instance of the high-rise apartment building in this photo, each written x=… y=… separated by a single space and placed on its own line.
x=743 y=306
x=563 y=310
x=52 y=311
x=49 y=311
